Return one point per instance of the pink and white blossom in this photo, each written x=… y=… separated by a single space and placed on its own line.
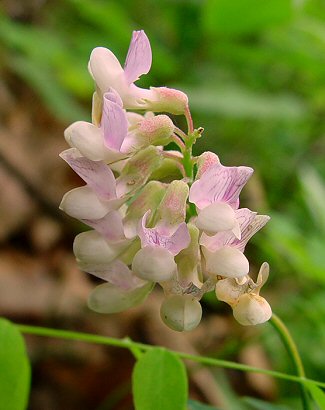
x=107 y=72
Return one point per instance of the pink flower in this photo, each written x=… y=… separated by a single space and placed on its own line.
x=223 y=252
x=216 y=196
x=123 y=289
x=107 y=72
x=155 y=260
x=119 y=133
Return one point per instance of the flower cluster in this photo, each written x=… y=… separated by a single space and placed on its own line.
x=159 y=215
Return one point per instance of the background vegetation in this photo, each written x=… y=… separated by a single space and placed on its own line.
x=255 y=75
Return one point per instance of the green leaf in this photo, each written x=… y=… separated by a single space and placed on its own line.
x=159 y=381
x=317 y=394
x=196 y=405
x=15 y=368
x=239 y=17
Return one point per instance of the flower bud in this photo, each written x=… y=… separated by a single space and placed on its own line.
x=108 y=298
x=168 y=100
x=156 y=130
x=138 y=169
x=154 y=263
x=226 y=261
x=215 y=218
x=251 y=309
x=181 y=312
x=172 y=209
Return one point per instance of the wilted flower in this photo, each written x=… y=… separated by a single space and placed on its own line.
x=151 y=221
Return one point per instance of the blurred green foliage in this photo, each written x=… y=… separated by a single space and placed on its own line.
x=255 y=75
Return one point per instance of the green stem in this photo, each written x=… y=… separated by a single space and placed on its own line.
x=187 y=162
x=129 y=344
x=292 y=350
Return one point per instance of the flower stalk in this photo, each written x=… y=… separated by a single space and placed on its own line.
x=127 y=343
x=293 y=352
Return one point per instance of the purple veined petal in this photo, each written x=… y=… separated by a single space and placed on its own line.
x=219 y=184
x=258 y=222
x=139 y=58
x=174 y=243
x=110 y=226
x=244 y=219
x=98 y=176
x=114 y=124
x=105 y=69
x=212 y=243
x=113 y=96
x=117 y=273
x=206 y=161
x=179 y=240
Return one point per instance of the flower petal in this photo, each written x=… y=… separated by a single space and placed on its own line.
x=114 y=97
x=244 y=219
x=258 y=222
x=114 y=123
x=117 y=273
x=252 y=310
x=105 y=69
x=90 y=248
x=110 y=226
x=89 y=140
x=154 y=264
x=83 y=203
x=98 y=176
x=174 y=243
x=139 y=58
x=108 y=298
x=216 y=217
x=228 y=262
x=262 y=277
x=219 y=184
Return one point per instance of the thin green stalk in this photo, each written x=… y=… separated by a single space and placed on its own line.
x=292 y=350
x=187 y=162
x=129 y=344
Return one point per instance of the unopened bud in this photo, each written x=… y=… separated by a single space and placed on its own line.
x=181 y=312
x=167 y=100
x=156 y=130
x=252 y=309
x=154 y=263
